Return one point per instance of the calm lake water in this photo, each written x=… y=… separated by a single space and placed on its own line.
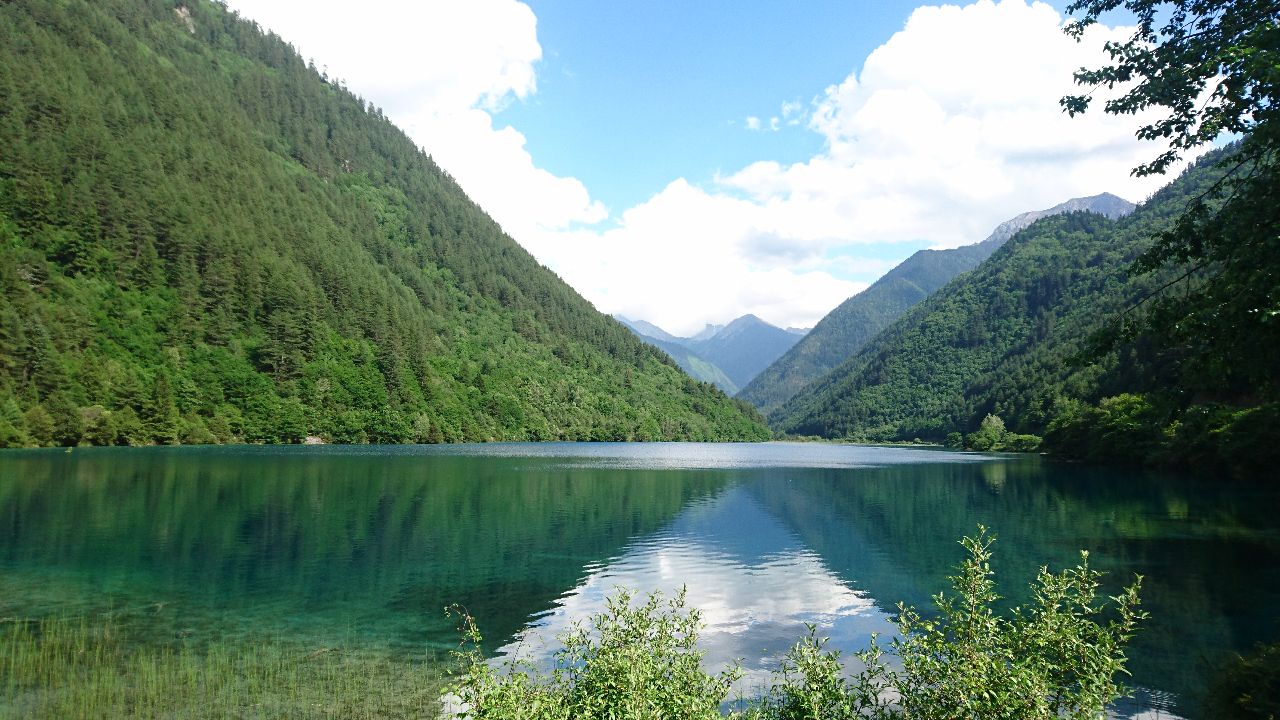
x=370 y=544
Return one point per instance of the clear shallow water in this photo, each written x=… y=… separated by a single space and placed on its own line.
x=368 y=545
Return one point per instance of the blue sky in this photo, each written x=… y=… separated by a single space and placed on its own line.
x=621 y=84
x=689 y=162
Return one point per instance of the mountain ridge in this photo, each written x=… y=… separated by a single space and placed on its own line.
x=728 y=355
x=745 y=346
x=1002 y=338
x=847 y=328
x=206 y=241
x=697 y=367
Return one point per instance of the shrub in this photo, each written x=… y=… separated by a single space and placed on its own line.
x=634 y=661
x=1014 y=442
x=127 y=427
x=989 y=435
x=13 y=434
x=1249 y=440
x=1123 y=428
x=39 y=425
x=1054 y=659
x=192 y=430
x=1128 y=426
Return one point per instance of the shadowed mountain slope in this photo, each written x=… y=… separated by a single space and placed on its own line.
x=727 y=355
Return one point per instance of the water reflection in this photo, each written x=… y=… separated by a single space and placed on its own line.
x=370 y=544
x=318 y=545
x=754 y=581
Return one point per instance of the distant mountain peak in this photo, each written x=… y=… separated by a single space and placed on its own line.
x=729 y=355
x=1112 y=206
x=740 y=324
x=707 y=332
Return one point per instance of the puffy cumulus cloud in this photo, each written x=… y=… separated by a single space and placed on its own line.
x=439 y=71
x=688 y=256
x=951 y=127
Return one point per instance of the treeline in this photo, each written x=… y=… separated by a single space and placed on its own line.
x=202 y=239
x=1153 y=429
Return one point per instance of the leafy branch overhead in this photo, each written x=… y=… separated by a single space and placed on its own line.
x=1212 y=65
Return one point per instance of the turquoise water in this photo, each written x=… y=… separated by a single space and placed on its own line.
x=370 y=544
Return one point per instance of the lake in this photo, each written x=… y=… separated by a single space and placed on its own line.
x=368 y=545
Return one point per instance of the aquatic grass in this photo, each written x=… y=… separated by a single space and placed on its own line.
x=91 y=668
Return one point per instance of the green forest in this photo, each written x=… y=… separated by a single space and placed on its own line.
x=846 y=329
x=203 y=239
x=1026 y=345
x=1152 y=339
x=856 y=321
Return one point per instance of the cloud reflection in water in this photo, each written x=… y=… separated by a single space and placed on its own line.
x=755 y=583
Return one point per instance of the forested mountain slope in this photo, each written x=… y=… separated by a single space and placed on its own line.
x=202 y=239
x=844 y=331
x=1001 y=339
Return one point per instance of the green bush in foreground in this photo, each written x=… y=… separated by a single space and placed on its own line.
x=636 y=661
x=1057 y=658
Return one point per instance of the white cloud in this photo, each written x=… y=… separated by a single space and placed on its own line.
x=793 y=112
x=753 y=598
x=790 y=114
x=687 y=256
x=951 y=127
x=439 y=71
